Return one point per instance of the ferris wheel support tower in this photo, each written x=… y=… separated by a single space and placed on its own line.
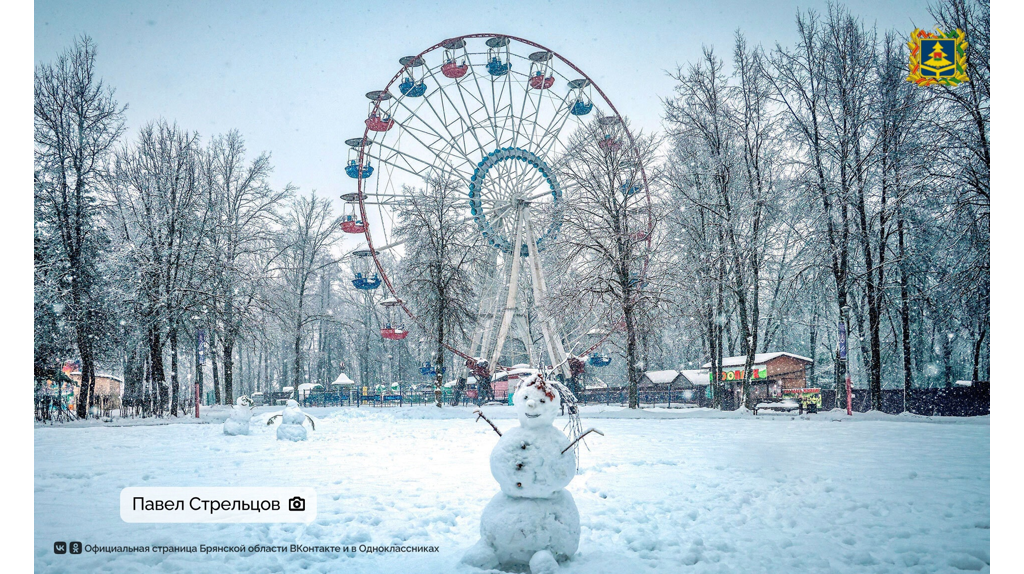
x=552 y=335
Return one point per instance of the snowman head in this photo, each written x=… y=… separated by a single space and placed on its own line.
x=292 y=404
x=536 y=402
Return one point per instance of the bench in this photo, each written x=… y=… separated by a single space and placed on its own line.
x=784 y=406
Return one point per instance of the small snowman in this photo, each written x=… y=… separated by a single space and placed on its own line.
x=238 y=422
x=533 y=520
x=291 y=422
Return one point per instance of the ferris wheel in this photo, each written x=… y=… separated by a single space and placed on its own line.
x=494 y=114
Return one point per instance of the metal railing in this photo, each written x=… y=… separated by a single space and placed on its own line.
x=668 y=398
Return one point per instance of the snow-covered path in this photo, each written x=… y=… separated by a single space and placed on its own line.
x=691 y=494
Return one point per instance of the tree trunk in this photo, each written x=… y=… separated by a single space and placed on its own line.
x=631 y=375
x=156 y=361
x=947 y=356
x=840 y=364
x=871 y=288
x=439 y=351
x=199 y=374
x=977 y=354
x=92 y=383
x=813 y=327
x=229 y=365
x=716 y=391
x=213 y=364
x=297 y=363
x=87 y=385
x=260 y=384
x=133 y=378
x=908 y=375
x=173 y=336
x=83 y=340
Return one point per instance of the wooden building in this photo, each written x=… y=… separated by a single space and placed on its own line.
x=107 y=390
x=771 y=373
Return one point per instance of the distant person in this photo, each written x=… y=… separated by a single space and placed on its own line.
x=460 y=389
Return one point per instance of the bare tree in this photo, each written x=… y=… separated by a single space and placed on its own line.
x=159 y=207
x=440 y=249
x=242 y=206
x=799 y=79
x=310 y=231
x=726 y=168
x=77 y=122
x=607 y=226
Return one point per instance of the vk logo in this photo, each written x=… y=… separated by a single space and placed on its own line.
x=63 y=547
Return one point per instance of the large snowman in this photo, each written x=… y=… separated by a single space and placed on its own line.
x=533 y=520
x=238 y=421
x=291 y=422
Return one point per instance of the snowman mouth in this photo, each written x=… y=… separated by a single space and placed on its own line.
x=532 y=416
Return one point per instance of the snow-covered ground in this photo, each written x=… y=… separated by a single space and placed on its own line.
x=662 y=491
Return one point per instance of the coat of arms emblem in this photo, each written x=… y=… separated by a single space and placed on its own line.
x=939 y=58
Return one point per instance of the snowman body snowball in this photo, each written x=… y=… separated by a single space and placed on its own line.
x=291 y=423
x=238 y=421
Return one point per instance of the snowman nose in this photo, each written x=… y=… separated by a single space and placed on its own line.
x=531 y=403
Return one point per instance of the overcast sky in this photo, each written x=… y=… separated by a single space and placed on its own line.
x=291 y=75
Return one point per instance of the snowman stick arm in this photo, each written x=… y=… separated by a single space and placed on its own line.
x=310 y=419
x=583 y=434
x=270 y=421
x=480 y=415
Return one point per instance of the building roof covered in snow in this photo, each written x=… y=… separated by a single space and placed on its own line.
x=514 y=373
x=343 y=381
x=696 y=376
x=759 y=359
x=661 y=377
x=306 y=388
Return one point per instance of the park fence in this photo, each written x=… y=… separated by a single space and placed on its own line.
x=945 y=401
x=954 y=401
x=668 y=398
x=405 y=398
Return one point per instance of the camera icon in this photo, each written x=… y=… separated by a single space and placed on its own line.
x=297 y=504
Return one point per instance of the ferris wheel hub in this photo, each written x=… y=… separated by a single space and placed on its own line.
x=524 y=179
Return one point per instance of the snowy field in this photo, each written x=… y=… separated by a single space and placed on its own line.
x=673 y=491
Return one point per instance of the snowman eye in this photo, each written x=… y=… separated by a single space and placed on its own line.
x=542 y=401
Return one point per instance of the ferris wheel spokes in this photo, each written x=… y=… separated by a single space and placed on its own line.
x=438 y=154
x=465 y=106
x=424 y=172
x=451 y=139
x=483 y=100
